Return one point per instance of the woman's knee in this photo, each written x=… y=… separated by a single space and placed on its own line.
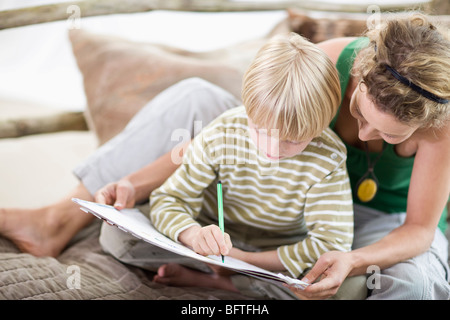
x=205 y=98
x=419 y=278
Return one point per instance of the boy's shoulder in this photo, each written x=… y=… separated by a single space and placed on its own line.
x=329 y=145
x=236 y=116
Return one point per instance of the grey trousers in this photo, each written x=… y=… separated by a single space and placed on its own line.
x=150 y=134
x=424 y=277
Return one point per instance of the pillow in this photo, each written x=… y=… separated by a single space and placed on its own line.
x=121 y=76
x=326 y=25
x=321 y=26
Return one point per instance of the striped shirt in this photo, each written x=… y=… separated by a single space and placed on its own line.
x=301 y=206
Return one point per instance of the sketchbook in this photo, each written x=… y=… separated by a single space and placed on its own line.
x=137 y=224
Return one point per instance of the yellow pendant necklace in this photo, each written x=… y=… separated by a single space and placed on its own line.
x=367 y=186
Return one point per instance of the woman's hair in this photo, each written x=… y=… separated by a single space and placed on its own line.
x=291 y=86
x=406 y=68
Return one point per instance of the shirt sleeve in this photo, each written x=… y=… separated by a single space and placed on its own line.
x=329 y=219
x=177 y=203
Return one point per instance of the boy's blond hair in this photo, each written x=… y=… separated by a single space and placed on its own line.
x=291 y=86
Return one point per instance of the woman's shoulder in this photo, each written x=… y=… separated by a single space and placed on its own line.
x=334 y=47
x=432 y=141
x=436 y=136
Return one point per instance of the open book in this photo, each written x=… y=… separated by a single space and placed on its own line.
x=134 y=222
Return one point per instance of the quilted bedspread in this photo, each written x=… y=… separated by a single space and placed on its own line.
x=84 y=271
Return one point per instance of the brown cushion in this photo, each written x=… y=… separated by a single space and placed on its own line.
x=121 y=76
x=325 y=27
x=329 y=25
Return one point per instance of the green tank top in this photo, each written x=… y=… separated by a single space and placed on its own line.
x=392 y=171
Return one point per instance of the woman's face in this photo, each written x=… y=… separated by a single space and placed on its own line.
x=374 y=124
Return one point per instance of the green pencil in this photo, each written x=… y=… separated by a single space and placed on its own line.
x=220 y=209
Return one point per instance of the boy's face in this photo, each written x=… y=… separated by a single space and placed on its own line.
x=267 y=142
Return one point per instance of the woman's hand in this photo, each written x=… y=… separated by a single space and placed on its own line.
x=332 y=269
x=120 y=194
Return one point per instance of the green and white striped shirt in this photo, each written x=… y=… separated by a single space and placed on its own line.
x=302 y=205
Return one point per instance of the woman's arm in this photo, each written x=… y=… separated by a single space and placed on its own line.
x=137 y=186
x=427 y=196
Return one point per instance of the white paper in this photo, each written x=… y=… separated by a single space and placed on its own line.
x=134 y=222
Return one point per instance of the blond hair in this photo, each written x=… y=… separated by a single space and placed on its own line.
x=291 y=86
x=419 y=52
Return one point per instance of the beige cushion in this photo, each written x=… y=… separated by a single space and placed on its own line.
x=321 y=26
x=121 y=76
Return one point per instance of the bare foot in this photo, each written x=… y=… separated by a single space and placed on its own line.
x=44 y=231
x=25 y=228
x=176 y=275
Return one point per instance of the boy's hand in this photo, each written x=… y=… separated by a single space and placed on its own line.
x=119 y=194
x=207 y=240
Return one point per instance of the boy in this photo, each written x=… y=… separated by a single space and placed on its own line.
x=286 y=192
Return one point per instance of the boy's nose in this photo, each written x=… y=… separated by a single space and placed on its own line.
x=274 y=147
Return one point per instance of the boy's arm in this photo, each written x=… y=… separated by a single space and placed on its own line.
x=176 y=204
x=329 y=218
x=268 y=260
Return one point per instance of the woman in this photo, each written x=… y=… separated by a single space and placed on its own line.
x=394 y=106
